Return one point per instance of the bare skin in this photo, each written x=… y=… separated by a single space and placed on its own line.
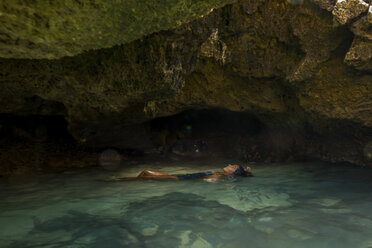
x=156 y=175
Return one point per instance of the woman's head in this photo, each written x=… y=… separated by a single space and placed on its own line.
x=237 y=170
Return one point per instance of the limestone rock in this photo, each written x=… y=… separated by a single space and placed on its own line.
x=108 y=81
x=337 y=93
x=325 y=4
x=54 y=29
x=346 y=10
x=214 y=48
x=282 y=62
x=250 y=6
x=318 y=39
x=360 y=54
x=145 y=79
x=363 y=26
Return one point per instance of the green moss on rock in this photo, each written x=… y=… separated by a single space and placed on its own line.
x=53 y=29
x=283 y=63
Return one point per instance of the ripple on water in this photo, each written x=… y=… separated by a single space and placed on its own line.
x=302 y=205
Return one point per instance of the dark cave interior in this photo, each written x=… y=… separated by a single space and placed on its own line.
x=43 y=143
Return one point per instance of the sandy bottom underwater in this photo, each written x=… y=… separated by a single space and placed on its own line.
x=284 y=205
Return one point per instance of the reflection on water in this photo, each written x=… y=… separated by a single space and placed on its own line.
x=296 y=205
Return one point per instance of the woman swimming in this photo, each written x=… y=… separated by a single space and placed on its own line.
x=231 y=170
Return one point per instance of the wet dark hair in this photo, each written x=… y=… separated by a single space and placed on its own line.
x=240 y=172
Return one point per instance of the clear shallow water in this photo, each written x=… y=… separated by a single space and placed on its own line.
x=284 y=205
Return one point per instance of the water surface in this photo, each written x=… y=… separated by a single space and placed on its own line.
x=284 y=205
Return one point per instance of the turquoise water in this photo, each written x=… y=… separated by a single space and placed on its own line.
x=284 y=205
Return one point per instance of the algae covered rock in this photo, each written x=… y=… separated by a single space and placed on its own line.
x=362 y=27
x=239 y=57
x=54 y=29
x=360 y=54
x=287 y=64
x=346 y=10
x=326 y=4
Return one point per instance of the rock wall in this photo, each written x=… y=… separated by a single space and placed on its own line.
x=304 y=66
x=54 y=29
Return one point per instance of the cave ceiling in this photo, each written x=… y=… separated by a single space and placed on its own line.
x=109 y=63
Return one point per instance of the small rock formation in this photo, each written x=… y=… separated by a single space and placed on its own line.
x=325 y=4
x=346 y=10
x=360 y=53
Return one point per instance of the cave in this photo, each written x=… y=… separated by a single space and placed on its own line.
x=186 y=123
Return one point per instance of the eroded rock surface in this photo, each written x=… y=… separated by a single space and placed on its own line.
x=362 y=27
x=326 y=4
x=346 y=10
x=54 y=29
x=360 y=52
x=106 y=82
x=287 y=64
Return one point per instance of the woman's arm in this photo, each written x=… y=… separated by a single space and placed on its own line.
x=151 y=173
x=147 y=174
